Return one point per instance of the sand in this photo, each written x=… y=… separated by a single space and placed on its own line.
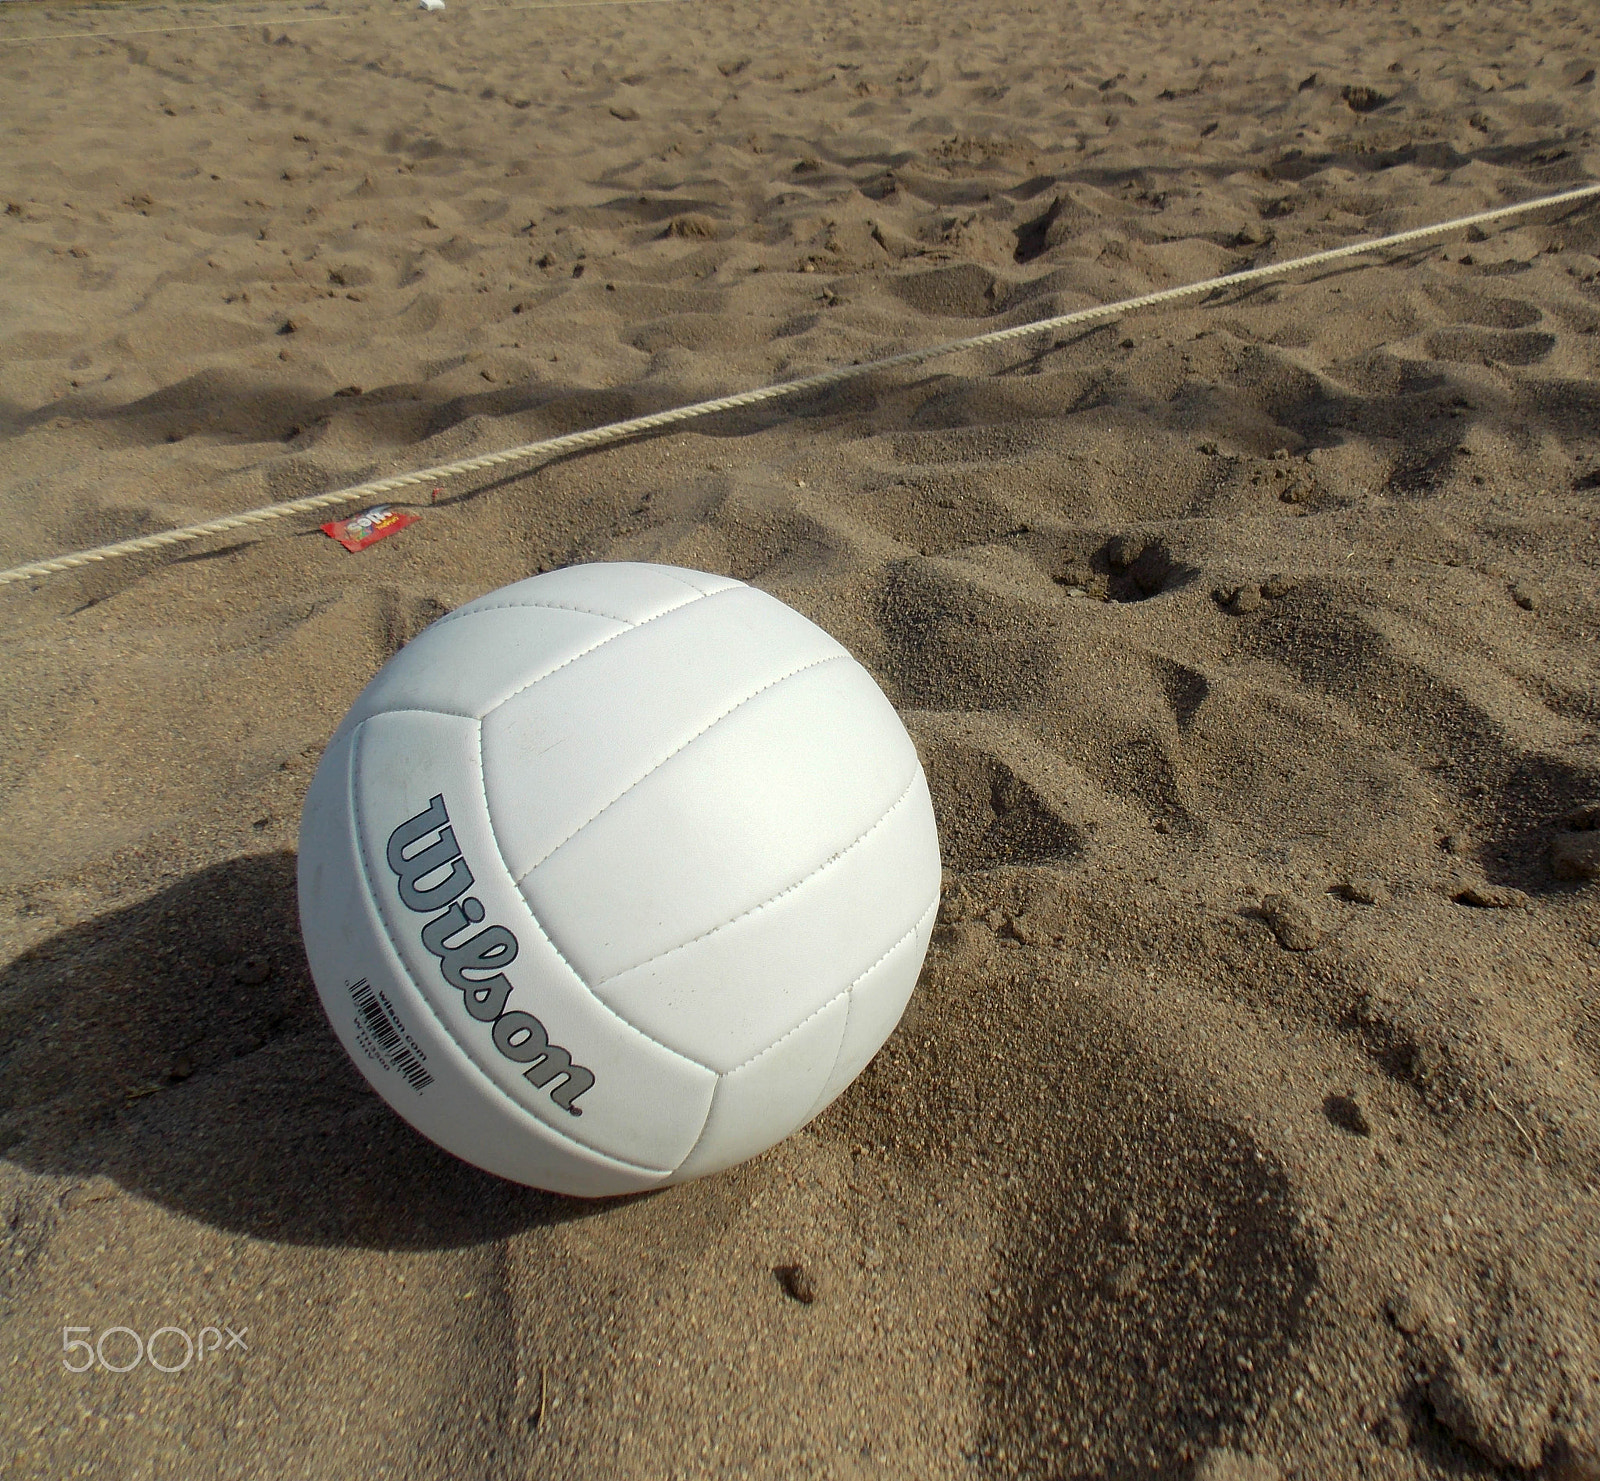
x=1244 y=1123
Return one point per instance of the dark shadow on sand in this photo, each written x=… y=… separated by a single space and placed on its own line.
x=177 y=1047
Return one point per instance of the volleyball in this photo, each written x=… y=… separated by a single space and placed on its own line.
x=617 y=876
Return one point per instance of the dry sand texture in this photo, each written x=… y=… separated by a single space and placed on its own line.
x=1244 y=1124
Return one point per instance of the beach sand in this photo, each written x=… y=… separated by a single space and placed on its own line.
x=1244 y=1123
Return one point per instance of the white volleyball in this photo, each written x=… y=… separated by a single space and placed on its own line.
x=617 y=876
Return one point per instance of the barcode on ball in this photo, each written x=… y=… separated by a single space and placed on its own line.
x=376 y=1021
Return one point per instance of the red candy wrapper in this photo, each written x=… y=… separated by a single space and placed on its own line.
x=368 y=527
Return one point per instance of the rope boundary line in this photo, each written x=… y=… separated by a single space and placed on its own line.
x=550 y=447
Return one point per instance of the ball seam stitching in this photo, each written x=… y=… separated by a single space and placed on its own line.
x=630 y=627
x=473 y=608
x=549 y=940
x=656 y=766
x=838 y=1053
x=560 y=955
x=672 y=575
x=821 y=868
x=900 y=941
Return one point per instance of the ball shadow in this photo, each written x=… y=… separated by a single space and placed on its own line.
x=177 y=1047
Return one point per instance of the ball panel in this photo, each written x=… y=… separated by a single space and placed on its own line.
x=468 y=662
x=765 y=1100
x=724 y=996
x=560 y=751
x=628 y=591
x=877 y=1002
x=391 y=1033
x=758 y=802
x=479 y=957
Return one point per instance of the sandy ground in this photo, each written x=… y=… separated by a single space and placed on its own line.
x=1244 y=1124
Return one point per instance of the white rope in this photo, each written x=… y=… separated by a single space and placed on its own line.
x=551 y=447
x=300 y=20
